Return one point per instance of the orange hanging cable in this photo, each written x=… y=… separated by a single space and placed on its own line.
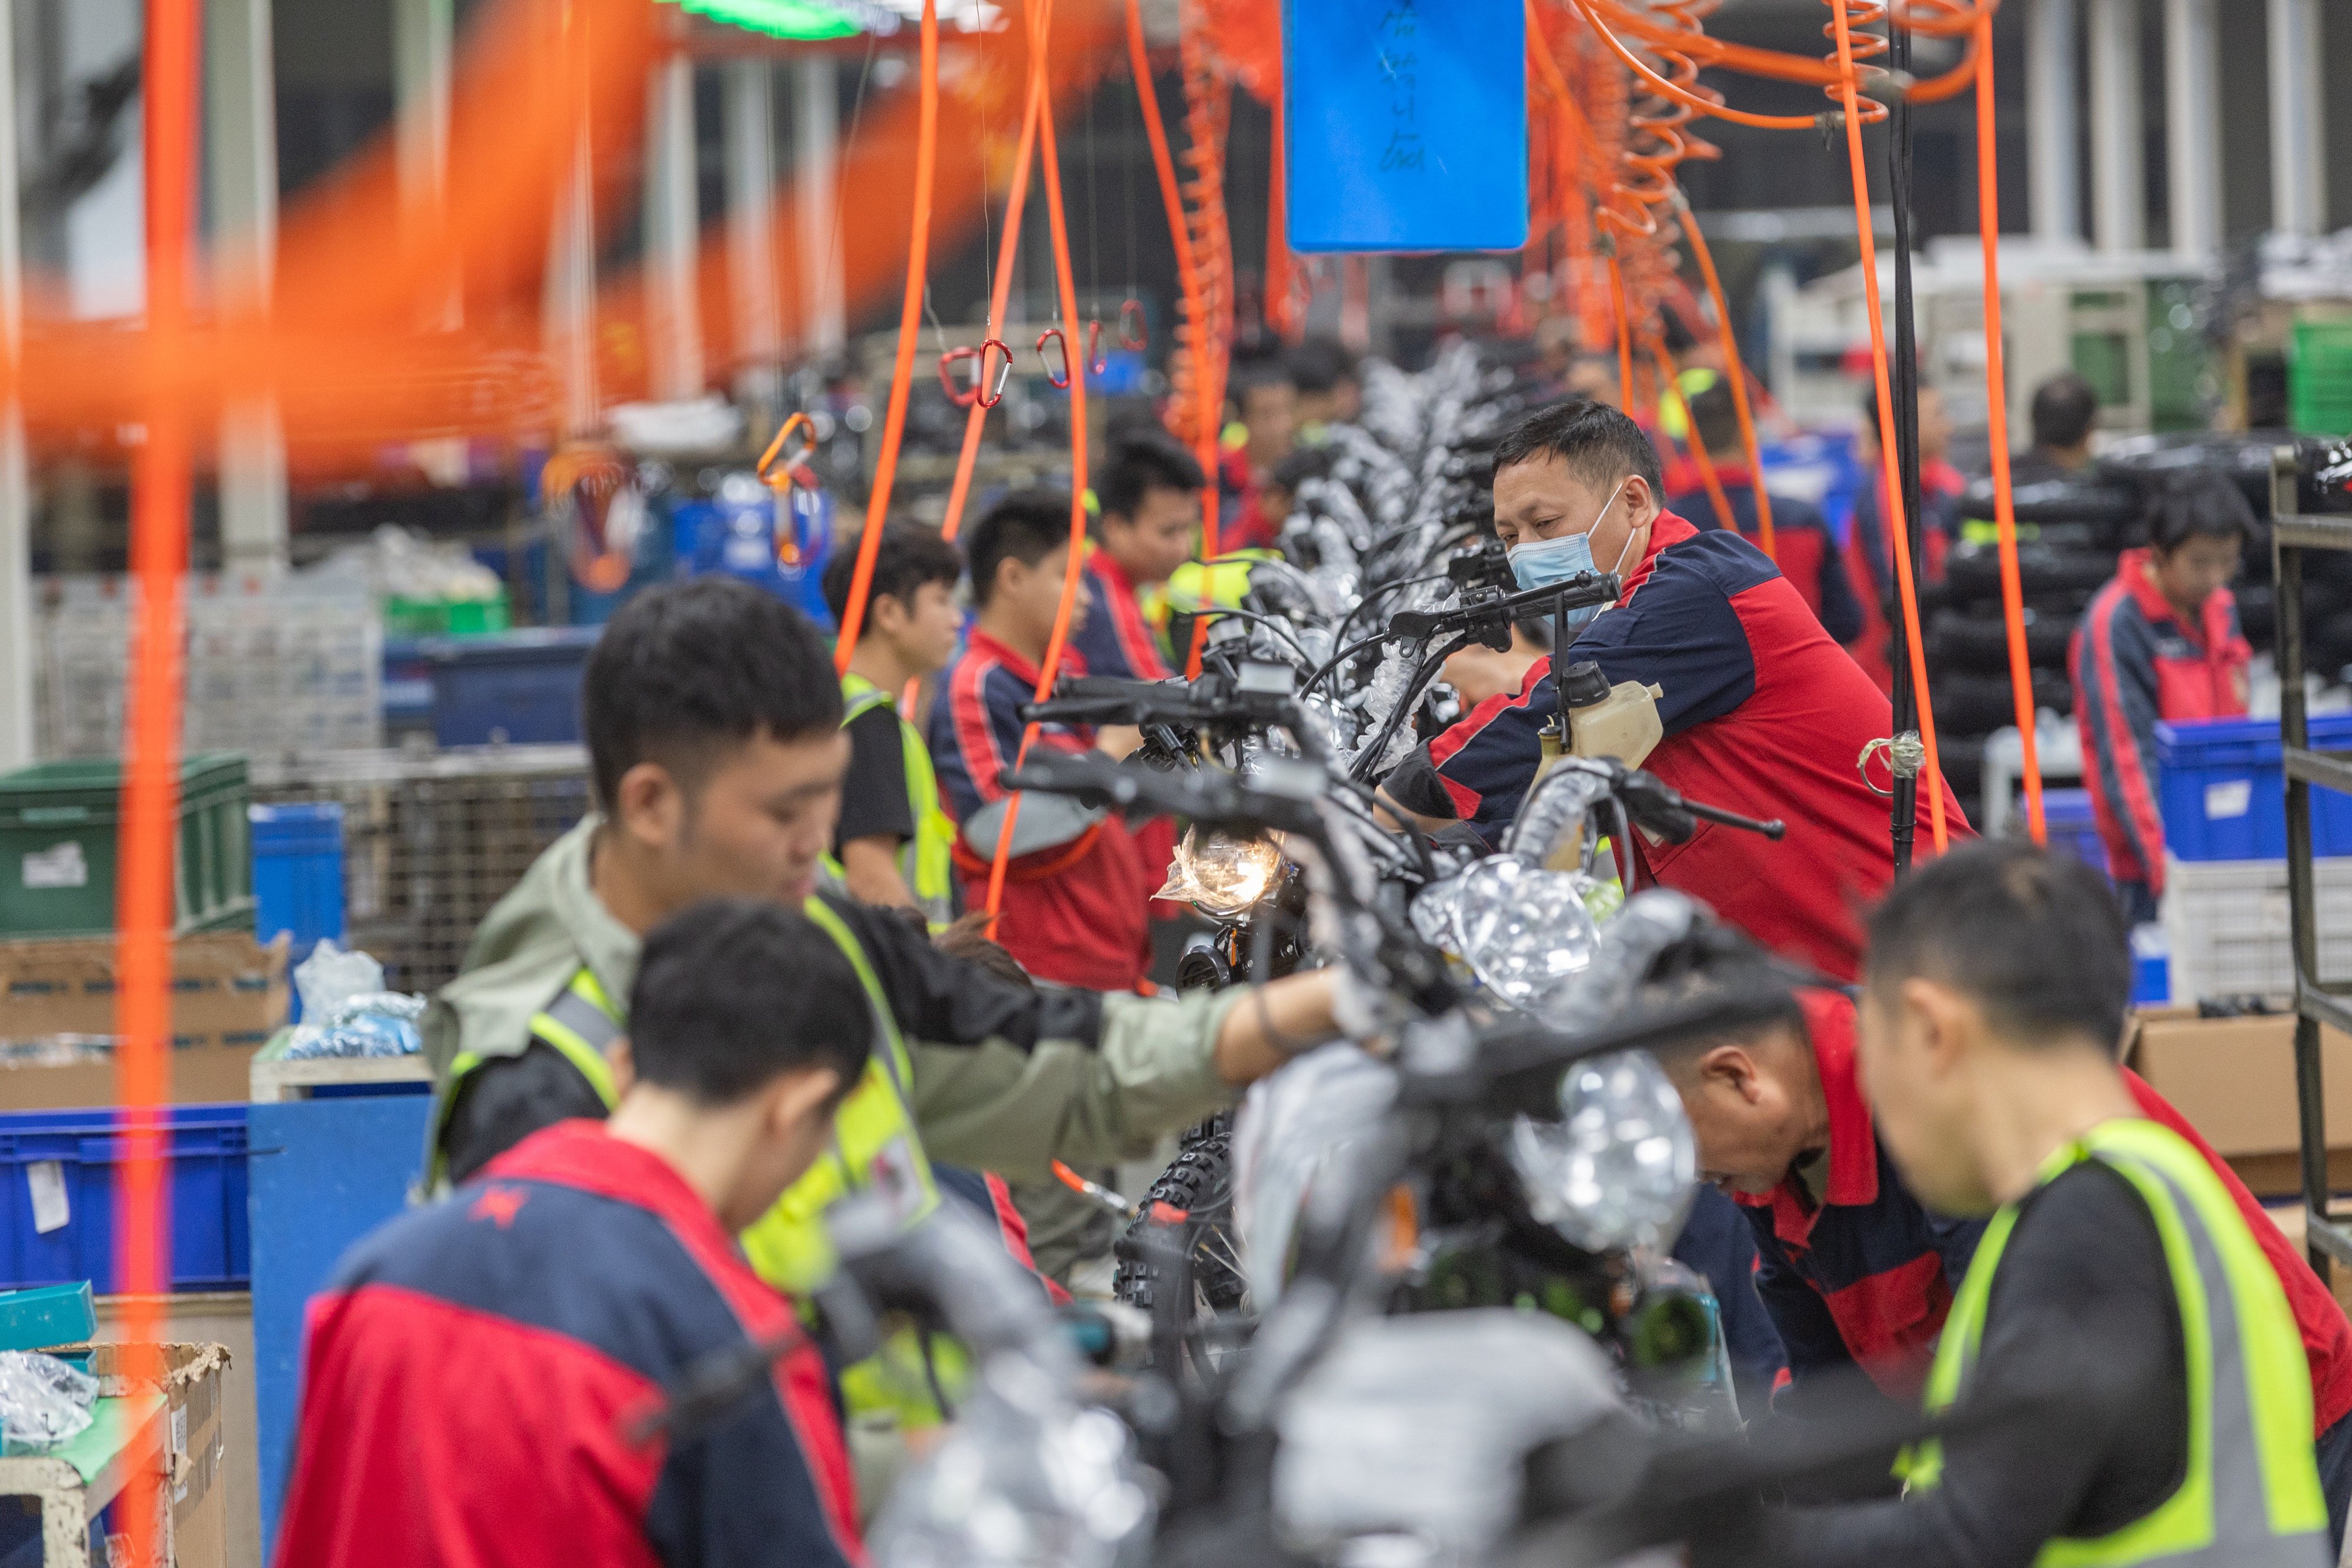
x=2012 y=589
x=1696 y=101
x=161 y=478
x=1898 y=520
x=910 y=322
x=1624 y=328
x=1016 y=201
x=1066 y=283
x=1694 y=443
x=1207 y=113
x=1705 y=257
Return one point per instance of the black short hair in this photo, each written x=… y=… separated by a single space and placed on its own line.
x=1256 y=371
x=910 y=556
x=733 y=993
x=1600 y=445
x=2198 y=504
x=1715 y=418
x=2034 y=938
x=687 y=669
x=1141 y=465
x=2063 y=407
x=1307 y=463
x=1026 y=526
x=1319 y=364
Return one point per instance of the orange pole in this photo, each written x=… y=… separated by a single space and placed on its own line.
x=1016 y=201
x=2012 y=589
x=1705 y=257
x=1066 y=283
x=910 y=322
x=1898 y=522
x=151 y=784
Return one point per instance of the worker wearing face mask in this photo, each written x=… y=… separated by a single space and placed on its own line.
x=1762 y=713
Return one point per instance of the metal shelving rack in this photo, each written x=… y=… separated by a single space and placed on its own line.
x=2317 y=1002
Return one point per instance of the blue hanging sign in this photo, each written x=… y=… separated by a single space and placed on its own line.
x=1406 y=124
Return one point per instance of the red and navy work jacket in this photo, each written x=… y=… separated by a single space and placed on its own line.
x=1115 y=639
x=1870 y=560
x=1076 y=914
x=2136 y=661
x=1866 y=1275
x=1801 y=546
x=1764 y=715
x=466 y=1378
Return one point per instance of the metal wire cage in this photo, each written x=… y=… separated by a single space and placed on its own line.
x=432 y=838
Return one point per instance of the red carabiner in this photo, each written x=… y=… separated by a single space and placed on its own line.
x=1063 y=380
x=1134 y=331
x=1096 y=363
x=969 y=394
x=989 y=396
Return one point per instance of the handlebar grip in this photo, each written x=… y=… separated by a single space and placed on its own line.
x=1776 y=829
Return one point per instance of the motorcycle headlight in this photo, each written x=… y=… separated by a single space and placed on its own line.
x=1012 y=1488
x=1219 y=875
x=1616 y=1170
x=1524 y=932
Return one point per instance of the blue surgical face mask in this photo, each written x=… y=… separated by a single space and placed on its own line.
x=1547 y=563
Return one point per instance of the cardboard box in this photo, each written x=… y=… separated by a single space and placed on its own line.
x=57 y=1018
x=195 y=1450
x=2234 y=1079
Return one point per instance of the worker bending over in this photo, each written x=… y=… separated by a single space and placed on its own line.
x=1763 y=714
x=2161 y=643
x=2123 y=1272
x=468 y=1376
x=1075 y=906
x=893 y=845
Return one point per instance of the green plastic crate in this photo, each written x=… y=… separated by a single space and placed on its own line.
x=2319 y=378
x=57 y=827
x=445 y=617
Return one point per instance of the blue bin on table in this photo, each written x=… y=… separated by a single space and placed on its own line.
x=2066 y=814
x=298 y=878
x=57 y=1224
x=2223 y=789
x=522 y=687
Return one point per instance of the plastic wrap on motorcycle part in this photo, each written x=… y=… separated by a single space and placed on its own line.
x=1012 y=1484
x=1651 y=922
x=43 y=1401
x=1292 y=1126
x=1562 y=801
x=1700 y=1395
x=1525 y=933
x=1389 y=684
x=1421 y=1425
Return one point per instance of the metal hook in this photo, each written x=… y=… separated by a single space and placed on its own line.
x=1062 y=380
x=1134 y=330
x=779 y=477
x=989 y=396
x=1096 y=363
x=968 y=395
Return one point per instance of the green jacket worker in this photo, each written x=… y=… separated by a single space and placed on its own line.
x=713 y=725
x=894 y=845
x=2119 y=1308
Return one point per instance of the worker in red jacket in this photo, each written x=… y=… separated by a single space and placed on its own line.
x=1763 y=714
x=1077 y=890
x=1148 y=525
x=1870 y=550
x=469 y=1376
x=2159 y=642
x=1855 y=1271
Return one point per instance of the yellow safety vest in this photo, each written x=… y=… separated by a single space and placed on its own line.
x=876 y=1145
x=2250 y=1497
x=927 y=860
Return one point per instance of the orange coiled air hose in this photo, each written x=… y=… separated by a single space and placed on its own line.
x=911 y=321
x=1066 y=285
x=1208 y=114
x=1734 y=369
x=1897 y=518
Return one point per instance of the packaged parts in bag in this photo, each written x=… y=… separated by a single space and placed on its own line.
x=43 y=1402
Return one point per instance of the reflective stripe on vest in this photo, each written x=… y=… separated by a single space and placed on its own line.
x=874 y=1145
x=581 y=1023
x=2249 y=1494
x=925 y=861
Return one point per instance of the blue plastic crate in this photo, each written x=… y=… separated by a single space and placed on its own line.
x=297 y=872
x=515 y=686
x=211 y=1250
x=2066 y=813
x=2223 y=789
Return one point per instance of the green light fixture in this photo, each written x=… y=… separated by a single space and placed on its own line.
x=809 y=20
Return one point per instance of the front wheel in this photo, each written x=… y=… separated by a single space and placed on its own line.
x=1199 y=1183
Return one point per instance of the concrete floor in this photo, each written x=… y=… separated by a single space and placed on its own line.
x=223 y=1318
